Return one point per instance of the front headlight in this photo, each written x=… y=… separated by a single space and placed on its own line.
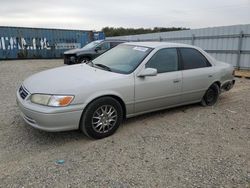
x=40 y=99
x=51 y=100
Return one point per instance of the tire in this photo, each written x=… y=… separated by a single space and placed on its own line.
x=83 y=59
x=211 y=96
x=101 y=118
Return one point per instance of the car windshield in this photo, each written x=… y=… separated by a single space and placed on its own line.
x=92 y=44
x=123 y=58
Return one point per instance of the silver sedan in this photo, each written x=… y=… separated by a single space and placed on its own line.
x=131 y=79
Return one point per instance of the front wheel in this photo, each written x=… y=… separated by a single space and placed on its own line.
x=211 y=96
x=101 y=118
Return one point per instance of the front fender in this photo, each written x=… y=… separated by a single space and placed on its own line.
x=99 y=94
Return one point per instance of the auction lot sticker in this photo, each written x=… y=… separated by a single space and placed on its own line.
x=139 y=48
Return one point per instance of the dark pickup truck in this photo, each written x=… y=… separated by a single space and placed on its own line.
x=90 y=51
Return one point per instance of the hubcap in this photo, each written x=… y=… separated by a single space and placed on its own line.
x=104 y=118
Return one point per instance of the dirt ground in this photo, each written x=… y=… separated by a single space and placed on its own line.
x=190 y=146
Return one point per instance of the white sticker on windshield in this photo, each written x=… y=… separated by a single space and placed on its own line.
x=139 y=48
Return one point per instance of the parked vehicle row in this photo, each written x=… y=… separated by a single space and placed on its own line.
x=90 y=51
x=128 y=80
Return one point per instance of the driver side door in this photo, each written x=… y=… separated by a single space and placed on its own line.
x=162 y=90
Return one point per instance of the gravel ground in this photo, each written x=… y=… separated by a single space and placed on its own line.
x=190 y=146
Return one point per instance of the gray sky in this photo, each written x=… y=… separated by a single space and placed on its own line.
x=96 y=14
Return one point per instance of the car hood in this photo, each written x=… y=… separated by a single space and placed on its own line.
x=73 y=51
x=68 y=79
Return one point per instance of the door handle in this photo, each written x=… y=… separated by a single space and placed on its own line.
x=176 y=80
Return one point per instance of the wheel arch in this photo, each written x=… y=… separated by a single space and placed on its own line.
x=81 y=56
x=119 y=99
x=216 y=82
x=116 y=97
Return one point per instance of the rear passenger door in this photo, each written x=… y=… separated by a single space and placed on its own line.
x=197 y=74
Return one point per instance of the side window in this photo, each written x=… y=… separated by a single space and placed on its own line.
x=165 y=60
x=193 y=59
x=105 y=46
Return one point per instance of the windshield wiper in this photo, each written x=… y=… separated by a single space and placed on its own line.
x=103 y=66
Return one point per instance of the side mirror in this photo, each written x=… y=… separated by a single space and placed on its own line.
x=97 y=48
x=148 y=72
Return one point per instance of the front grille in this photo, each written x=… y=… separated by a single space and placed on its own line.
x=23 y=93
x=66 y=59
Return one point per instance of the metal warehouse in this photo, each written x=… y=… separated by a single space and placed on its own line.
x=22 y=43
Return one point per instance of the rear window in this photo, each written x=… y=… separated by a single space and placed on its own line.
x=192 y=59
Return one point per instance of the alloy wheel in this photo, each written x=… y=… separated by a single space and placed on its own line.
x=104 y=119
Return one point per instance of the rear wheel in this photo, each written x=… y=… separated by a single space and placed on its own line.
x=101 y=118
x=211 y=96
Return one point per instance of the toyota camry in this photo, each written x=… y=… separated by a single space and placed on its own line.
x=131 y=79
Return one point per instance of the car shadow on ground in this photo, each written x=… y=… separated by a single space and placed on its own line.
x=39 y=137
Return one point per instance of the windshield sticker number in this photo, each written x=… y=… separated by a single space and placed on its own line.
x=142 y=49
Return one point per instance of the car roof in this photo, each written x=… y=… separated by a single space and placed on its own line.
x=159 y=44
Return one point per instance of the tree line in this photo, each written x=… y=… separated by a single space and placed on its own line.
x=120 y=31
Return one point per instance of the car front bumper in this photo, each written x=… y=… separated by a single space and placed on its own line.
x=70 y=59
x=52 y=119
